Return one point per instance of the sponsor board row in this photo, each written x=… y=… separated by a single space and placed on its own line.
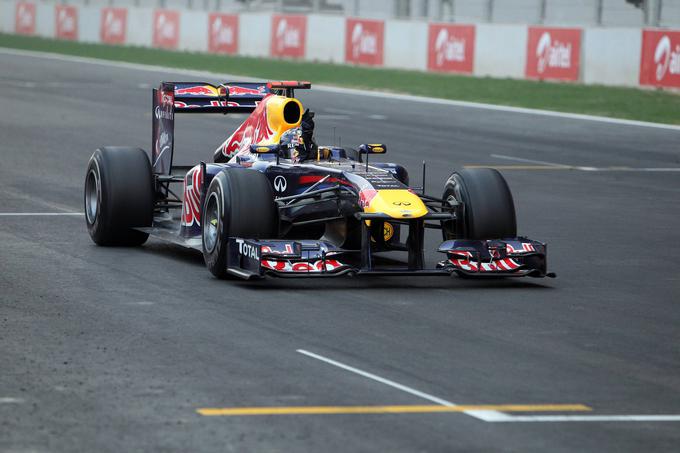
x=552 y=53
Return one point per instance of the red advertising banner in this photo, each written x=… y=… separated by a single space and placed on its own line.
x=451 y=48
x=660 y=61
x=553 y=53
x=66 y=22
x=165 y=29
x=112 y=26
x=364 y=41
x=222 y=33
x=289 y=34
x=24 y=18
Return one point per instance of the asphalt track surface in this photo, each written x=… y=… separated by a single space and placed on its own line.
x=105 y=349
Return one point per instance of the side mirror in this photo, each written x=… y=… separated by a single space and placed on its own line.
x=374 y=148
x=265 y=149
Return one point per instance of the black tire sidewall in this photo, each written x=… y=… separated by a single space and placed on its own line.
x=125 y=196
x=489 y=209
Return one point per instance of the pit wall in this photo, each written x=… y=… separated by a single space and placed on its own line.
x=592 y=55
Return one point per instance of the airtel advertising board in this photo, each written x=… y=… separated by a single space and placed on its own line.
x=222 y=33
x=165 y=29
x=660 y=62
x=553 y=53
x=24 y=18
x=66 y=22
x=288 y=36
x=451 y=48
x=112 y=25
x=364 y=40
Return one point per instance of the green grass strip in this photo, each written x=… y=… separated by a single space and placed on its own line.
x=629 y=103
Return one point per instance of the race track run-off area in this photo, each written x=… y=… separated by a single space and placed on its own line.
x=141 y=349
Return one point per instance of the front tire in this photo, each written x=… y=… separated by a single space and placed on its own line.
x=118 y=196
x=488 y=208
x=238 y=203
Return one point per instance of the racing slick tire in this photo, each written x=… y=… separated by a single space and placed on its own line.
x=489 y=210
x=238 y=203
x=118 y=196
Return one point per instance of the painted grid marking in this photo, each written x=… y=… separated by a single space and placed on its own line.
x=415 y=409
x=481 y=414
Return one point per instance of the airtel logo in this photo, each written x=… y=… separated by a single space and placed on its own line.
x=165 y=28
x=448 y=48
x=363 y=42
x=287 y=35
x=222 y=33
x=25 y=16
x=666 y=59
x=67 y=21
x=113 y=25
x=552 y=54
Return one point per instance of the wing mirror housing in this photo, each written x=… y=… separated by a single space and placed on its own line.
x=373 y=148
x=265 y=149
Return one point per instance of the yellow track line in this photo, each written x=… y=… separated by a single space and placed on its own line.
x=430 y=408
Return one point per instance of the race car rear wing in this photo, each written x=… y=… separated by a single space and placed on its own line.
x=202 y=97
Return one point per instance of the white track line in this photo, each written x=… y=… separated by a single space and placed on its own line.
x=10 y=400
x=530 y=161
x=572 y=167
x=588 y=418
x=485 y=415
x=30 y=214
x=350 y=91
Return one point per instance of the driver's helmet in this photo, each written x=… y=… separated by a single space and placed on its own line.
x=293 y=144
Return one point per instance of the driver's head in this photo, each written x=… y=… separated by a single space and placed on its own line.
x=294 y=143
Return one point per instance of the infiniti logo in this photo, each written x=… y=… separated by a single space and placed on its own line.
x=280 y=184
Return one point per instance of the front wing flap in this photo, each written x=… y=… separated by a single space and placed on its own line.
x=513 y=257
x=253 y=258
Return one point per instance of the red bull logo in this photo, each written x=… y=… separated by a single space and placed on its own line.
x=200 y=90
x=235 y=90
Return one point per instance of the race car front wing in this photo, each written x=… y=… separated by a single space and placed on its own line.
x=514 y=257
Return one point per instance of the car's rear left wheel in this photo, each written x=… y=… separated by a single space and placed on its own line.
x=118 y=196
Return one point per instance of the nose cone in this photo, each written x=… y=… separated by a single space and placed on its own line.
x=397 y=203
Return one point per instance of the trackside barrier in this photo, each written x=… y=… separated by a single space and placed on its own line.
x=593 y=55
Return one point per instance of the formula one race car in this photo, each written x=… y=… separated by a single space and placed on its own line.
x=276 y=203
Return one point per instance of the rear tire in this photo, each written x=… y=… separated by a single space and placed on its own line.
x=118 y=196
x=489 y=210
x=238 y=203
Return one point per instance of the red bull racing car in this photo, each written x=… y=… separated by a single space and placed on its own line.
x=274 y=202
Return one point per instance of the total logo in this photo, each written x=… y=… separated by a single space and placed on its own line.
x=245 y=249
x=448 y=48
x=552 y=54
x=666 y=58
x=363 y=42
